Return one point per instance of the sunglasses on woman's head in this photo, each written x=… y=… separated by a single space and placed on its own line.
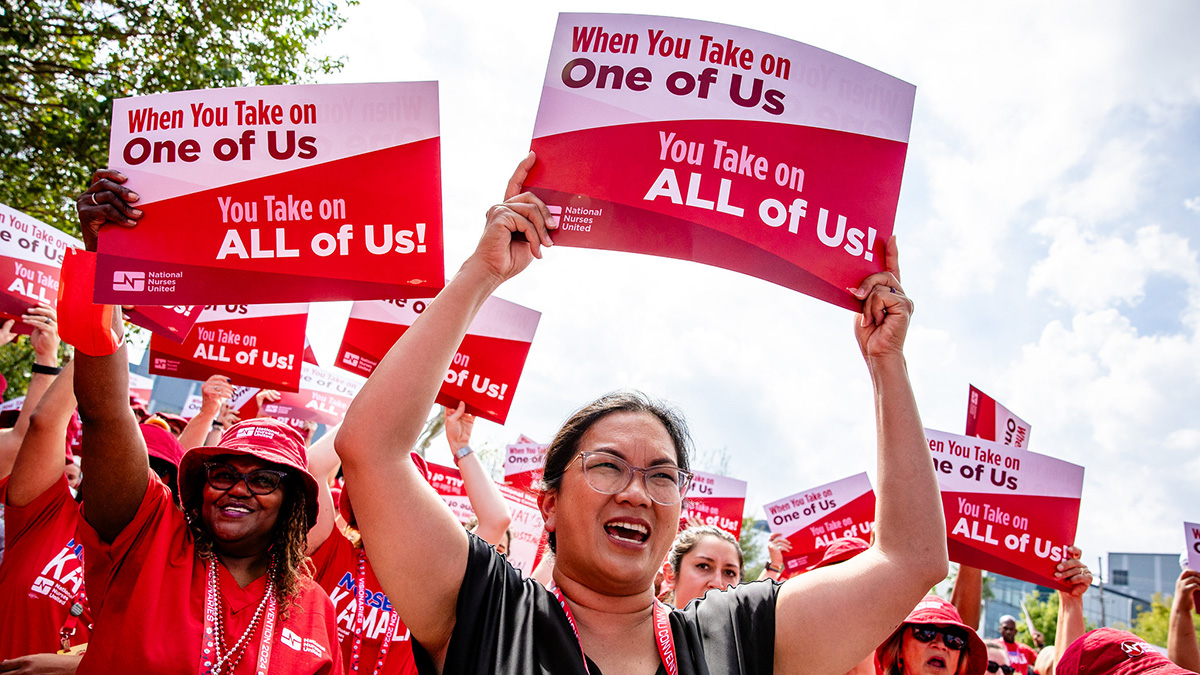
x=993 y=667
x=953 y=638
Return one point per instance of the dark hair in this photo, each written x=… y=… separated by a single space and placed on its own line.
x=686 y=540
x=565 y=445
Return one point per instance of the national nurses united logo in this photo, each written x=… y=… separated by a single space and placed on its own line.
x=133 y=282
x=575 y=218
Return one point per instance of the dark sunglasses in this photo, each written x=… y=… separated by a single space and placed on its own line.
x=993 y=667
x=953 y=638
x=260 y=481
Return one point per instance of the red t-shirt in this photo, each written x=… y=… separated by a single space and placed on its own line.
x=336 y=561
x=147 y=591
x=42 y=575
x=1020 y=656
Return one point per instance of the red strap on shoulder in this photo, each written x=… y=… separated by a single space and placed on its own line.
x=81 y=323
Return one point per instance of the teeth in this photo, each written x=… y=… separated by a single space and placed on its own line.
x=636 y=527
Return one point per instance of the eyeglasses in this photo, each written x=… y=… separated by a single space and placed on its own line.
x=609 y=474
x=993 y=667
x=260 y=481
x=953 y=638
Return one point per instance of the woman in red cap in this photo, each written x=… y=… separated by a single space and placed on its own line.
x=933 y=640
x=615 y=475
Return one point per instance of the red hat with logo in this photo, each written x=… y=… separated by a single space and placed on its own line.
x=264 y=438
x=933 y=610
x=346 y=509
x=841 y=551
x=1108 y=651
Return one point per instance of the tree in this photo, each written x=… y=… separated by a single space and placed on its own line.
x=752 y=547
x=1152 y=625
x=1043 y=609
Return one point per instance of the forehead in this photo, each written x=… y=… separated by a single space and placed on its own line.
x=716 y=549
x=244 y=463
x=632 y=435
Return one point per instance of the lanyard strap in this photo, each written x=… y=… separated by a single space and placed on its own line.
x=208 y=648
x=360 y=599
x=662 y=633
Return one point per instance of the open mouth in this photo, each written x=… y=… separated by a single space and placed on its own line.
x=235 y=509
x=937 y=662
x=627 y=531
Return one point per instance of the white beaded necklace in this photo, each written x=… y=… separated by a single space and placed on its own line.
x=227 y=659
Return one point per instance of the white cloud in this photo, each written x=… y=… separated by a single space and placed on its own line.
x=1192 y=204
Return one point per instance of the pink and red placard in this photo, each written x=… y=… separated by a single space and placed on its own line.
x=324 y=397
x=524 y=462
x=277 y=194
x=715 y=500
x=815 y=518
x=254 y=345
x=1008 y=510
x=486 y=368
x=721 y=145
x=141 y=387
x=31 y=254
x=991 y=421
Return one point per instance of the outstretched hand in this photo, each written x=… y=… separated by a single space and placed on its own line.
x=105 y=202
x=883 y=324
x=1074 y=573
x=516 y=230
x=459 y=424
x=1187 y=587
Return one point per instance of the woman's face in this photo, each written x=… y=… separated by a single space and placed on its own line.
x=239 y=520
x=927 y=658
x=614 y=543
x=712 y=563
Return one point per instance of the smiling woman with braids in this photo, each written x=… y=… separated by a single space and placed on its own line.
x=221 y=587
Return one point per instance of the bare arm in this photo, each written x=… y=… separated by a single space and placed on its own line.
x=487 y=502
x=40 y=462
x=967 y=596
x=1182 y=647
x=776 y=545
x=1071 y=623
x=45 y=341
x=213 y=392
x=821 y=624
x=420 y=559
x=323 y=461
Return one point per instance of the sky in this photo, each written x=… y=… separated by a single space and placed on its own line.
x=1047 y=224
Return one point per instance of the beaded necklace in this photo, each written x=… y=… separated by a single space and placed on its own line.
x=216 y=658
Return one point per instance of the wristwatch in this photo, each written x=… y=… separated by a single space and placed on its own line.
x=772 y=568
x=462 y=452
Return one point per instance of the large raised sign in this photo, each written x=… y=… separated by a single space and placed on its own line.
x=721 y=145
x=815 y=518
x=31 y=254
x=277 y=194
x=715 y=500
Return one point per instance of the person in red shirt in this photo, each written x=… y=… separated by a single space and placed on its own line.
x=217 y=588
x=1020 y=656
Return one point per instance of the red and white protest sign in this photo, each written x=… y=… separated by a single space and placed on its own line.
x=141 y=387
x=277 y=194
x=192 y=406
x=715 y=500
x=486 y=368
x=1008 y=510
x=172 y=322
x=526 y=528
x=253 y=345
x=991 y=421
x=1192 y=533
x=524 y=462
x=10 y=410
x=815 y=518
x=324 y=397
x=448 y=483
x=31 y=254
x=721 y=145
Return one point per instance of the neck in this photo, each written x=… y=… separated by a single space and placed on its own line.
x=599 y=613
x=245 y=568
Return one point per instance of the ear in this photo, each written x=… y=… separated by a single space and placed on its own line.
x=548 y=505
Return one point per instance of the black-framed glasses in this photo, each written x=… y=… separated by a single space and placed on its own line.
x=608 y=474
x=953 y=638
x=260 y=481
x=993 y=667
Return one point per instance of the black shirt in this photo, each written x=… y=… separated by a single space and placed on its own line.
x=506 y=624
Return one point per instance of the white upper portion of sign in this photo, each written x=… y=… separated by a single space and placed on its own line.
x=821 y=89
x=21 y=227
x=218 y=313
x=788 y=514
x=710 y=485
x=496 y=319
x=340 y=383
x=1034 y=474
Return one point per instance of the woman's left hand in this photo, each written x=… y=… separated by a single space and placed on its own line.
x=1074 y=573
x=883 y=324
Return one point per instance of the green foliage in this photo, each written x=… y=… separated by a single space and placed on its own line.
x=16 y=363
x=1152 y=625
x=63 y=62
x=1044 y=612
x=753 y=550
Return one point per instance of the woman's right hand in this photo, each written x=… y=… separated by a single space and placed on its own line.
x=516 y=230
x=105 y=202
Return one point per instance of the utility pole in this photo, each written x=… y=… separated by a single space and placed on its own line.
x=1100 y=582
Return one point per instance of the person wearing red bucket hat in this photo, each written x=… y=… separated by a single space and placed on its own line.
x=219 y=588
x=933 y=640
x=1109 y=651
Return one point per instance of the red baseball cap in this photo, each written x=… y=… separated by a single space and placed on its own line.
x=162 y=444
x=1108 y=651
x=267 y=439
x=346 y=509
x=938 y=612
x=841 y=551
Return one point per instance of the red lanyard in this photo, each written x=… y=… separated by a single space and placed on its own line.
x=208 y=649
x=662 y=633
x=360 y=599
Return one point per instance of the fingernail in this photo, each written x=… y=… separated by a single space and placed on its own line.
x=137 y=212
x=133 y=196
x=130 y=222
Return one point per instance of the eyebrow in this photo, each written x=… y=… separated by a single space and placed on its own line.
x=661 y=461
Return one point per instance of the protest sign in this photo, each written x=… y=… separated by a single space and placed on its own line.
x=141 y=387
x=252 y=345
x=721 y=145
x=526 y=528
x=191 y=407
x=448 y=483
x=1008 y=510
x=991 y=421
x=173 y=322
x=277 y=194
x=10 y=410
x=524 y=462
x=815 y=518
x=486 y=368
x=715 y=500
x=31 y=254
x=324 y=397
x=1192 y=536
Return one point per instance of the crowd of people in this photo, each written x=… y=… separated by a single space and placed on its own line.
x=228 y=546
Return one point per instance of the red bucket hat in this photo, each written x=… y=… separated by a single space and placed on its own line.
x=841 y=551
x=1108 y=651
x=346 y=509
x=162 y=444
x=267 y=439
x=938 y=612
